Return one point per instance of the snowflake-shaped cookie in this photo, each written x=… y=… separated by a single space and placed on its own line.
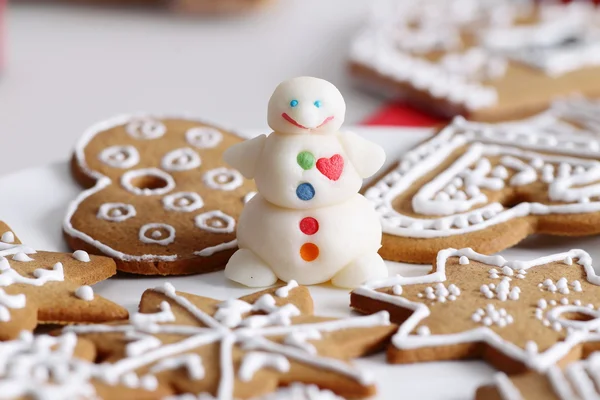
x=238 y=348
x=517 y=315
x=161 y=200
x=488 y=186
x=44 y=287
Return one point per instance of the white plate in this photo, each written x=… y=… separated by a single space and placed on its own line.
x=33 y=203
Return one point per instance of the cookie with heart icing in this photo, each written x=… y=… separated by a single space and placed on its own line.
x=39 y=287
x=237 y=348
x=517 y=315
x=488 y=186
x=487 y=60
x=160 y=201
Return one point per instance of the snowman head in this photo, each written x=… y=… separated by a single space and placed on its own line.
x=306 y=105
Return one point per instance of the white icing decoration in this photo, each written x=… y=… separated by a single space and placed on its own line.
x=257 y=360
x=203 y=137
x=463 y=260
x=209 y=251
x=8 y=237
x=191 y=362
x=145 y=128
x=284 y=291
x=580 y=330
x=182 y=159
x=492 y=316
x=156 y=236
x=455 y=216
x=81 y=255
x=128 y=176
x=251 y=337
x=221 y=222
x=183 y=202
x=22 y=257
x=124 y=157
x=223 y=179
x=85 y=292
x=116 y=212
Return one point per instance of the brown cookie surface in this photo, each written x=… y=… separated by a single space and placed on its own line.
x=239 y=348
x=488 y=186
x=487 y=60
x=43 y=287
x=161 y=201
x=516 y=315
x=578 y=381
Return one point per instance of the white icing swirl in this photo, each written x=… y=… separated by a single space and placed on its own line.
x=215 y=221
x=120 y=156
x=116 y=212
x=181 y=160
x=145 y=128
x=203 y=137
x=223 y=179
x=157 y=234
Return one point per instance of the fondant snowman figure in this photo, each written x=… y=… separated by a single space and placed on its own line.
x=307 y=222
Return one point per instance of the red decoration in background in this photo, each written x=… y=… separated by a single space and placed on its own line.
x=402 y=114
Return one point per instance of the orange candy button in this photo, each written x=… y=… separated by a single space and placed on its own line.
x=309 y=251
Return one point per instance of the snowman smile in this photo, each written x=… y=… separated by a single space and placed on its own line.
x=293 y=121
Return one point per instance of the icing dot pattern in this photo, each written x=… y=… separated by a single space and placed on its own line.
x=545 y=316
x=129 y=141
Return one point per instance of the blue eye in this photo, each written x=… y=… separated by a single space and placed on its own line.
x=317 y=103
x=293 y=103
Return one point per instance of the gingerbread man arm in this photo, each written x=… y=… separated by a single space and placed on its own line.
x=366 y=157
x=244 y=156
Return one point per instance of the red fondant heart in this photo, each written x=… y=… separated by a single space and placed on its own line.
x=331 y=167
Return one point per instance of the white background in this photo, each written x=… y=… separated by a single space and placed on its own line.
x=69 y=66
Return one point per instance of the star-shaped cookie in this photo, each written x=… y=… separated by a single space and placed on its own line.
x=489 y=186
x=517 y=315
x=44 y=287
x=238 y=348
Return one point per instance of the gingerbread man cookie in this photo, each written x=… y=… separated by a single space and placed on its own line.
x=488 y=60
x=517 y=315
x=238 y=348
x=488 y=186
x=161 y=201
x=42 y=287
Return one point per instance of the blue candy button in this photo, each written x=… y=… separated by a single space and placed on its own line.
x=305 y=191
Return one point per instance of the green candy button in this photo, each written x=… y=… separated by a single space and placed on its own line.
x=306 y=160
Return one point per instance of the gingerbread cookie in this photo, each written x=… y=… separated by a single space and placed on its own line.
x=238 y=348
x=517 y=315
x=488 y=60
x=488 y=186
x=578 y=381
x=161 y=200
x=62 y=368
x=217 y=6
x=43 y=287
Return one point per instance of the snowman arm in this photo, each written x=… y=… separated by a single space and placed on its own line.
x=366 y=157
x=244 y=156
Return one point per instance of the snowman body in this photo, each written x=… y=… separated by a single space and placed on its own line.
x=308 y=240
x=308 y=222
x=305 y=171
